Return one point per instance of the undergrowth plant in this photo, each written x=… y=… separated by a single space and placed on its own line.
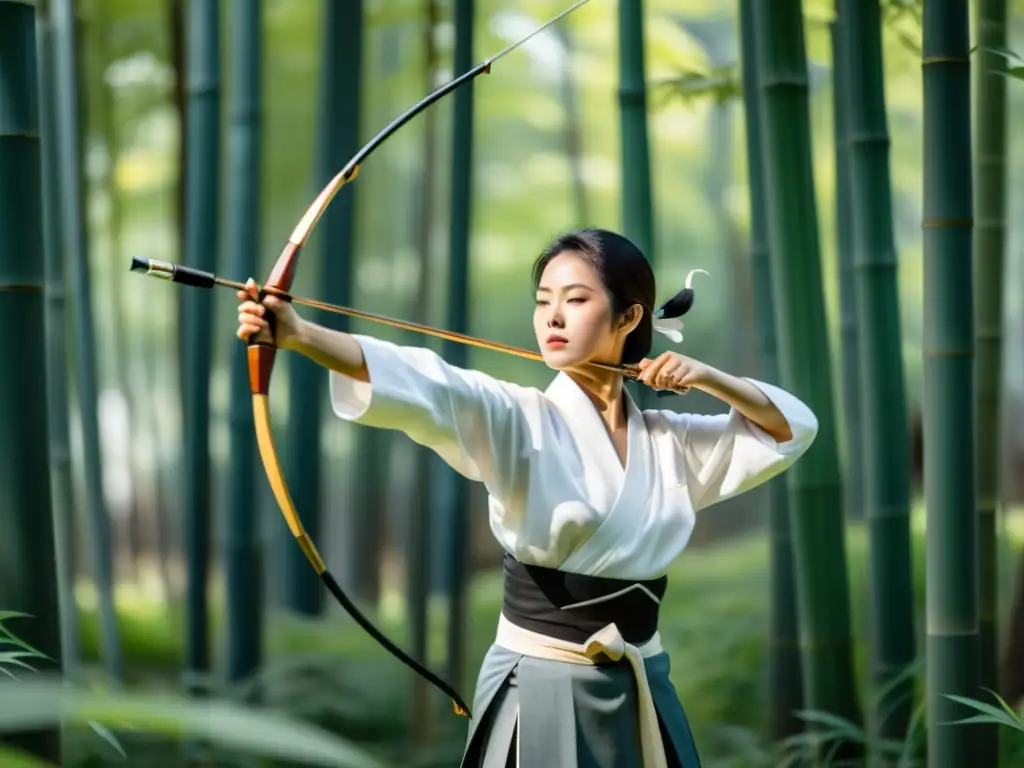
x=227 y=730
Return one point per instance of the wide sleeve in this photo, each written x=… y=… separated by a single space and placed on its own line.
x=476 y=423
x=727 y=454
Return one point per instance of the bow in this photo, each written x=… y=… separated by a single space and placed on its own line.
x=262 y=352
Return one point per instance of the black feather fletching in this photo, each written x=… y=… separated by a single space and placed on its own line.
x=677 y=306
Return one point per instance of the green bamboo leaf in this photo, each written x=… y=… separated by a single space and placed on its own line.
x=976 y=720
x=1002 y=702
x=719 y=84
x=980 y=706
x=889 y=746
x=5 y=615
x=17 y=655
x=840 y=725
x=907 y=757
x=104 y=733
x=7 y=638
x=11 y=659
x=51 y=702
x=802 y=740
x=1017 y=73
x=881 y=692
x=990 y=714
x=999 y=51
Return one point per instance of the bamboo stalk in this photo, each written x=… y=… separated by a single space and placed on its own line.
x=848 y=331
x=201 y=246
x=27 y=550
x=418 y=522
x=243 y=552
x=816 y=496
x=990 y=158
x=785 y=679
x=337 y=140
x=456 y=490
x=886 y=456
x=70 y=135
x=635 y=201
x=949 y=470
x=61 y=471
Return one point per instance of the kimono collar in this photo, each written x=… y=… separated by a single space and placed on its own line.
x=585 y=420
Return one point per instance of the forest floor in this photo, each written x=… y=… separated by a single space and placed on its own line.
x=713 y=624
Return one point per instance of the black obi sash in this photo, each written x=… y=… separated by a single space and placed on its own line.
x=572 y=607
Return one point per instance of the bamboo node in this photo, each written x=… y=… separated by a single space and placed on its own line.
x=928 y=353
x=926 y=60
x=988 y=332
x=947 y=223
x=798 y=81
x=869 y=137
x=633 y=95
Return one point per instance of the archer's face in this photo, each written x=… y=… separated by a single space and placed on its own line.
x=573 y=319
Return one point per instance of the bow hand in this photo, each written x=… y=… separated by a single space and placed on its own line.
x=266 y=319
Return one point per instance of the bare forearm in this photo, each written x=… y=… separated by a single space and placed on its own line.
x=748 y=400
x=335 y=350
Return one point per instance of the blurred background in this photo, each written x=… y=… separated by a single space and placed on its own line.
x=183 y=574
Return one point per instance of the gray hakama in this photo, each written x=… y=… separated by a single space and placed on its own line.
x=570 y=715
x=561 y=714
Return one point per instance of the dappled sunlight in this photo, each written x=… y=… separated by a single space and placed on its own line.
x=435 y=234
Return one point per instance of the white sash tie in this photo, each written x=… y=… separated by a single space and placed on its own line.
x=607 y=641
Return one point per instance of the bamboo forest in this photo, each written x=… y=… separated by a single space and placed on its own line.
x=838 y=172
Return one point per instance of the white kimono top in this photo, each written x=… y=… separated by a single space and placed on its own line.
x=558 y=495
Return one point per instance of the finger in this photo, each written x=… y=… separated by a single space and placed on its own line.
x=273 y=302
x=688 y=379
x=647 y=367
x=672 y=379
x=664 y=380
x=252 y=288
x=668 y=373
x=247 y=330
x=252 y=308
x=650 y=373
x=254 y=315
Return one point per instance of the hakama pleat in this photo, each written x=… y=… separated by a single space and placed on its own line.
x=562 y=715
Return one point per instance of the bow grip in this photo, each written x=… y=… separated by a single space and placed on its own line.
x=262 y=349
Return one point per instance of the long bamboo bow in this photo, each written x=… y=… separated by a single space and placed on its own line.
x=262 y=351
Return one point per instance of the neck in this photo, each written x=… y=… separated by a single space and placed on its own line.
x=604 y=388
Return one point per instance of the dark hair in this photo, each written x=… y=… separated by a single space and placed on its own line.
x=625 y=273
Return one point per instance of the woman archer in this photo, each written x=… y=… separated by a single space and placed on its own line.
x=591 y=498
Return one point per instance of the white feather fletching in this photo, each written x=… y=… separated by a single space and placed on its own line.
x=670 y=327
